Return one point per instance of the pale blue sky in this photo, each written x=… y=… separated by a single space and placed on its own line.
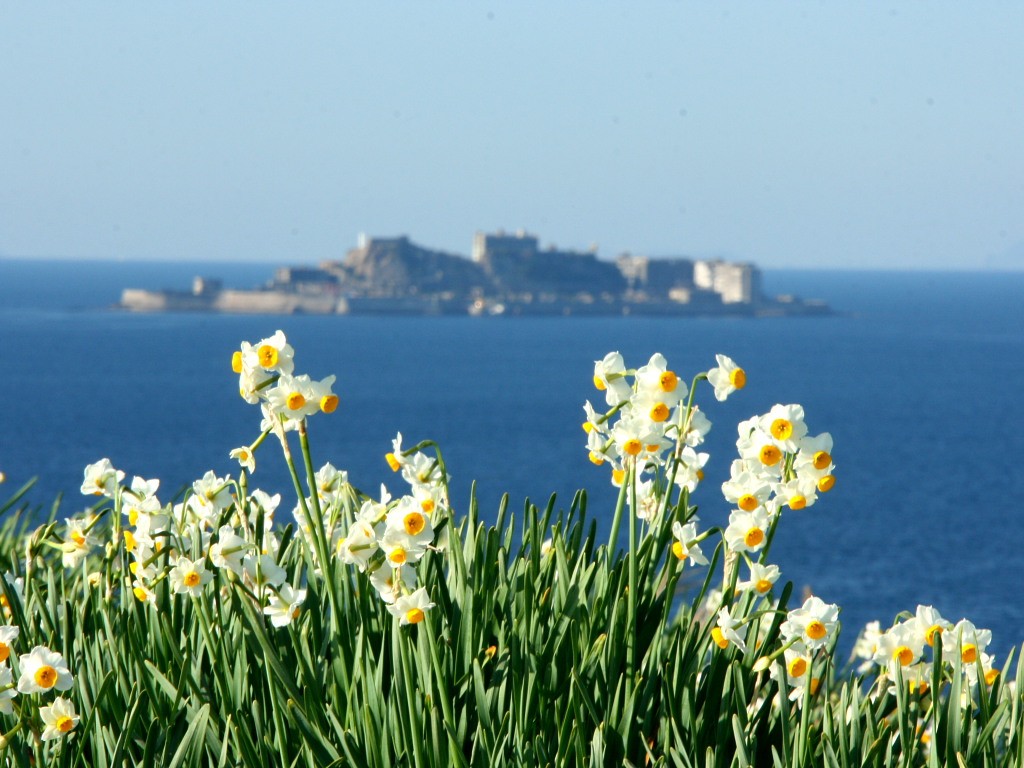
x=795 y=134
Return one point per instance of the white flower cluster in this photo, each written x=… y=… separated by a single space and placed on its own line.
x=388 y=537
x=780 y=464
x=266 y=377
x=39 y=671
x=235 y=538
x=909 y=648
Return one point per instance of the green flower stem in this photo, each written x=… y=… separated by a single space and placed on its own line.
x=613 y=539
x=631 y=636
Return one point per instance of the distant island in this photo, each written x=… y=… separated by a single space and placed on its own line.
x=506 y=274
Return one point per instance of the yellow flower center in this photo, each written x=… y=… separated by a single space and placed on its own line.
x=797 y=667
x=903 y=655
x=815 y=629
x=770 y=455
x=78 y=538
x=782 y=429
x=46 y=676
x=133 y=516
x=659 y=412
x=414 y=522
x=65 y=724
x=588 y=427
x=797 y=501
x=618 y=475
x=678 y=550
x=991 y=676
x=719 y=637
x=969 y=654
x=596 y=458
x=329 y=403
x=763 y=586
x=267 y=355
x=668 y=381
x=932 y=634
x=5 y=651
x=748 y=502
x=296 y=612
x=599 y=383
x=236 y=362
x=633 y=447
x=397 y=556
x=427 y=505
x=825 y=483
x=129 y=541
x=392 y=461
x=821 y=460
x=753 y=537
x=295 y=401
x=815 y=684
x=738 y=378
x=140 y=594
x=191 y=579
x=414 y=615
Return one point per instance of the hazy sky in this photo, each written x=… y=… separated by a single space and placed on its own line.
x=791 y=134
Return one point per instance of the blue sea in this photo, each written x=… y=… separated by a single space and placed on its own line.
x=919 y=380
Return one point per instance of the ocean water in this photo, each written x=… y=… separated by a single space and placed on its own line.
x=919 y=381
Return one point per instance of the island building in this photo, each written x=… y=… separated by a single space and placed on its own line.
x=504 y=274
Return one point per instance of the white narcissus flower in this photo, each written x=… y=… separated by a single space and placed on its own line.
x=785 y=424
x=747 y=531
x=686 y=547
x=762 y=579
x=966 y=641
x=323 y=394
x=648 y=502
x=294 y=397
x=285 y=605
x=609 y=377
x=727 y=631
x=411 y=609
x=391 y=586
x=78 y=541
x=815 y=623
x=655 y=382
x=358 y=545
x=212 y=495
x=330 y=481
x=930 y=625
x=58 y=719
x=746 y=490
x=189 y=576
x=899 y=646
x=726 y=378
x=798 y=493
x=264 y=571
x=395 y=459
x=245 y=457
x=796 y=669
x=229 y=550
x=43 y=670
x=101 y=479
x=273 y=354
